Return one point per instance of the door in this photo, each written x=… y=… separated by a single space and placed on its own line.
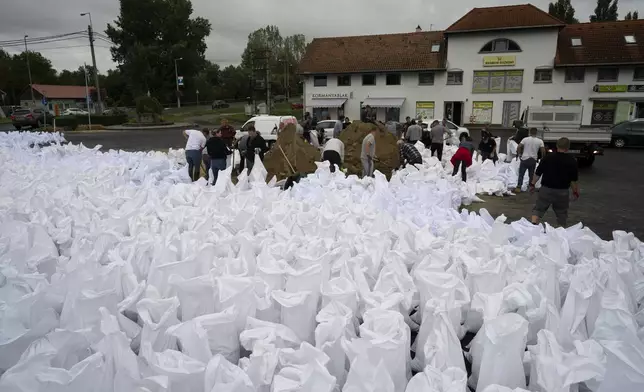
x=511 y=112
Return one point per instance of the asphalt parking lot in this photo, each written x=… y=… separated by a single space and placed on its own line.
x=611 y=190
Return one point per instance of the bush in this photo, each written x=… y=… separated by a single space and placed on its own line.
x=148 y=107
x=70 y=122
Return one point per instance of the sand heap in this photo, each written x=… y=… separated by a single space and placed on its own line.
x=386 y=148
x=301 y=155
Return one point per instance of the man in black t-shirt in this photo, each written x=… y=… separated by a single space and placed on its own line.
x=558 y=172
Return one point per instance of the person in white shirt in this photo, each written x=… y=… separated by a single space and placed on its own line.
x=194 y=147
x=528 y=151
x=334 y=153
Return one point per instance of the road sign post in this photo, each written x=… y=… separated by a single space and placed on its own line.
x=44 y=104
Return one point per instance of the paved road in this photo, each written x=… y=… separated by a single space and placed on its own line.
x=611 y=190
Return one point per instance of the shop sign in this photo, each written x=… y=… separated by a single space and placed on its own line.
x=603 y=113
x=330 y=95
x=482 y=112
x=424 y=110
x=619 y=88
x=497 y=81
x=499 y=61
x=561 y=102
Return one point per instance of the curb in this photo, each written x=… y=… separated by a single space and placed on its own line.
x=150 y=128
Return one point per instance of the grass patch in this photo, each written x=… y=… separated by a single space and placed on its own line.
x=5 y=120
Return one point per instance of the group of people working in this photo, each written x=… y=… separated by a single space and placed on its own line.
x=213 y=148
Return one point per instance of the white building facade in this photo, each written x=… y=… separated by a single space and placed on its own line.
x=489 y=75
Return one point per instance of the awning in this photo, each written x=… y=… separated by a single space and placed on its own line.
x=383 y=102
x=327 y=102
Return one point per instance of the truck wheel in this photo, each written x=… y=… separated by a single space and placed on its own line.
x=619 y=142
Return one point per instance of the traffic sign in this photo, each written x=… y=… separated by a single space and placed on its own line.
x=180 y=80
x=44 y=101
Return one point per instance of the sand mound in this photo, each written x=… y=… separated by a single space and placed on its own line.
x=386 y=148
x=301 y=155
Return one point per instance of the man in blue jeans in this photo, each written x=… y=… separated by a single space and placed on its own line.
x=528 y=151
x=194 y=146
x=218 y=151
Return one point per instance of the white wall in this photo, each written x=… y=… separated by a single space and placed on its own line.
x=538 y=50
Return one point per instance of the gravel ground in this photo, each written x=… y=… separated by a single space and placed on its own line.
x=610 y=190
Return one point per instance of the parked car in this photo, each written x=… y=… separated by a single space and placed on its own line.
x=324 y=129
x=34 y=118
x=628 y=133
x=266 y=125
x=74 y=112
x=298 y=105
x=279 y=98
x=454 y=129
x=220 y=104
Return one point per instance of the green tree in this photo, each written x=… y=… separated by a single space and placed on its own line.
x=149 y=35
x=563 y=10
x=606 y=11
x=14 y=76
x=632 y=15
x=74 y=78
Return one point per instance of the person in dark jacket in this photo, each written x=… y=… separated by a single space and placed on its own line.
x=487 y=147
x=218 y=151
x=227 y=132
x=409 y=154
x=254 y=145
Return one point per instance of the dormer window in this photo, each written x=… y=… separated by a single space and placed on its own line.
x=436 y=48
x=500 y=45
x=630 y=39
x=575 y=41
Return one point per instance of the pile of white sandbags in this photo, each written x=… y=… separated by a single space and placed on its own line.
x=117 y=274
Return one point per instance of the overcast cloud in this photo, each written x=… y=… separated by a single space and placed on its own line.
x=233 y=20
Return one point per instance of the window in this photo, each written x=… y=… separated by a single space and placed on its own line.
x=392 y=114
x=500 y=45
x=638 y=74
x=497 y=81
x=630 y=39
x=344 y=80
x=575 y=75
x=436 y=48
x=319 y=80
x=369 y=80
x=603 y=113
x=426 y=78
x=607 y=74
x=543 y=76
x=393 y=79
x=455 y=77
x=575 y=41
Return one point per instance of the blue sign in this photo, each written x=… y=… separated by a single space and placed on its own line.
x=44 y=101
x=89 y=99
x=180 y=80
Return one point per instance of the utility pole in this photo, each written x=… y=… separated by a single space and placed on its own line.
x=90 y=31
x=89 y=112
x=176 y=79
x=268 y=87
x=31 y=84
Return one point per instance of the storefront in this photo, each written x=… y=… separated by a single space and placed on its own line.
x=609 y=111
x=425 y=110
x=326 y=105
x=381 y=109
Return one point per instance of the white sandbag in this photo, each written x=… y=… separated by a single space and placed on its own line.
x=434 y=380
x=223 y=376
x=500 y=388
x=433 y=284
x=264 y=332
x=395 y=278
x=240 y=293
x=385 y=336
x=261 y=365
x=298 y=311
x=182 y=371
x=437 y=344
x=157 y=316
x=196 y=295
x=341 y=290
x=222 y=333
x=303 y=370
x=497 y=352
x=192 y=340
x=367 y=376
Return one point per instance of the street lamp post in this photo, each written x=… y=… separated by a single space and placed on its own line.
x=90 y=32
x=31 y=85
x=176 y=79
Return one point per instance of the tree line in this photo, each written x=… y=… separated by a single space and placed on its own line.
x=605 y=11
x=145 y=54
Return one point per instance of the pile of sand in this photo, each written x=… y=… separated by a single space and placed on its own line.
x=386 y=148
x=301 y=155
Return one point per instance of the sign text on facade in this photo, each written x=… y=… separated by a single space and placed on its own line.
x=330 y=95
x=499 y=61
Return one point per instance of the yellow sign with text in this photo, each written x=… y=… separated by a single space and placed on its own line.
x=499 y=61
x=424 y=105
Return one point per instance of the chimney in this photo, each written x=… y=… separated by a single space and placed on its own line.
x=418 y=29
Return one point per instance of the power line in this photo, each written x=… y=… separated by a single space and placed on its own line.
x=40 y=39
x=42 y=42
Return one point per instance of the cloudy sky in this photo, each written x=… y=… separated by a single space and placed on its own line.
x=233 y=20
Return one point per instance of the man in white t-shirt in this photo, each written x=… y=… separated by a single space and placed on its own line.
x=528 y=151
x=194 y=146
x=334 y=153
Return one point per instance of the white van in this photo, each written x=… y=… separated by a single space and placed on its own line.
x=268 y=126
